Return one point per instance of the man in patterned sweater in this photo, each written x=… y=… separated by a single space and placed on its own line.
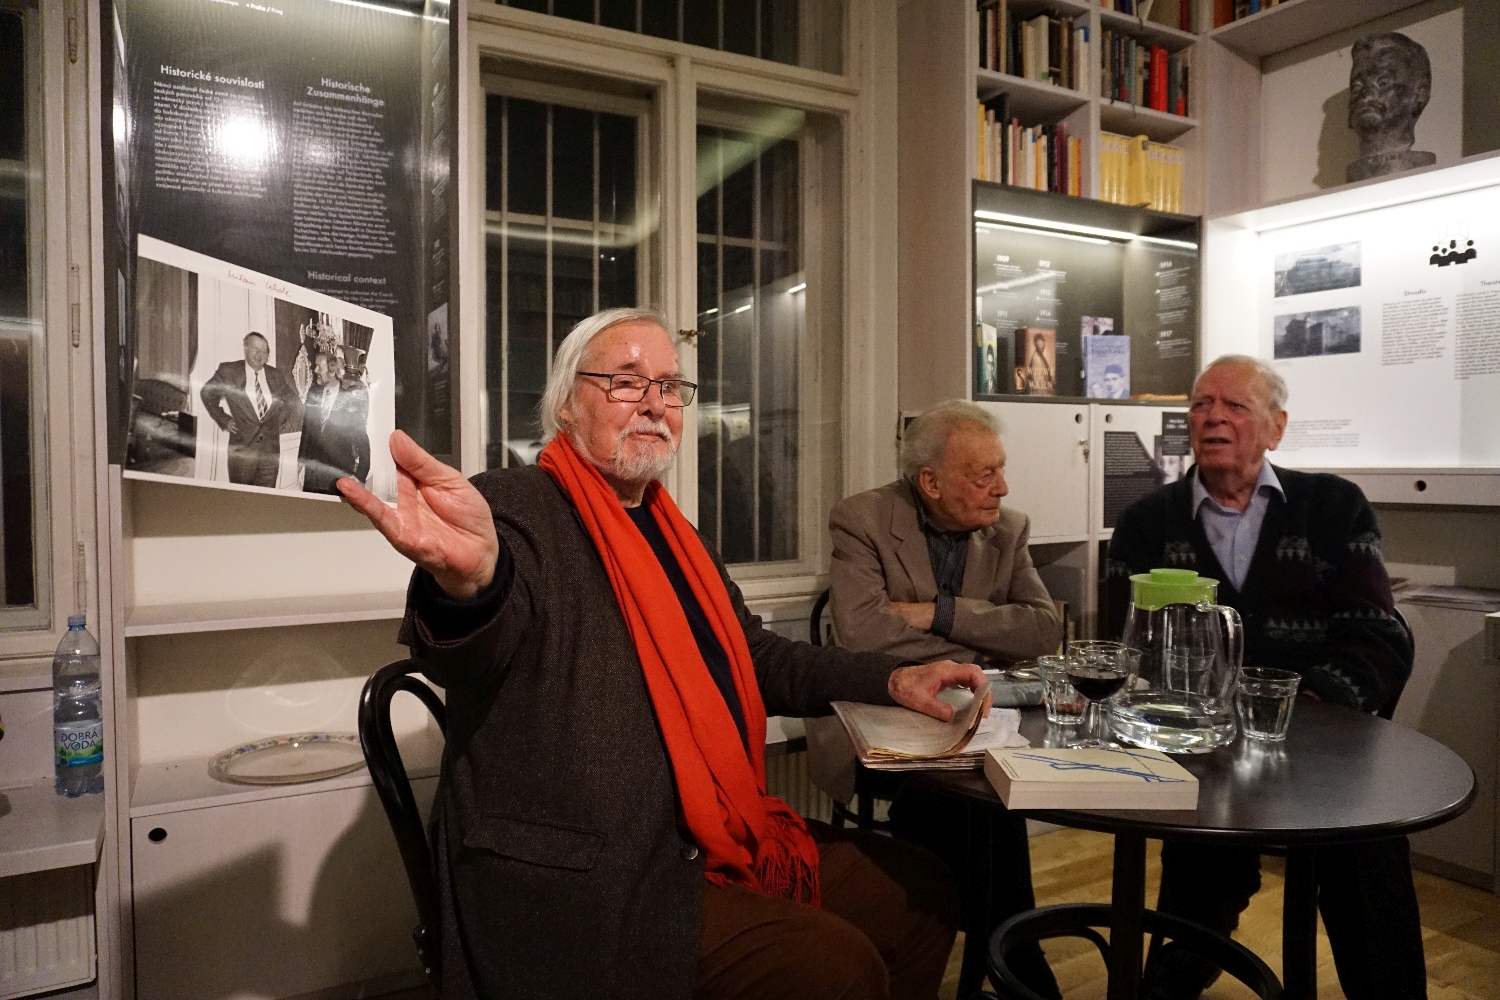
x=1298 y=555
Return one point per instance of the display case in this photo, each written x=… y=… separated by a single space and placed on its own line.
x=1078 y=299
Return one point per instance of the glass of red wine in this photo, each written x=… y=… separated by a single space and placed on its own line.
x=1098 y=674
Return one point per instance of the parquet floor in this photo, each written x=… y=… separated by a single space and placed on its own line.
x=1460 y=924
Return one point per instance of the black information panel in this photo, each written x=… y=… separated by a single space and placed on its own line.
x=307 y=141
x=1081 y=299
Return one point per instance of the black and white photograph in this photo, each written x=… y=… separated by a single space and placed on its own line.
x=1092 y=326
x=1318 y=270
x=246 y=382
x=1311 y=334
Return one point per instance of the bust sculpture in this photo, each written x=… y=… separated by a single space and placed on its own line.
x=1390 y=83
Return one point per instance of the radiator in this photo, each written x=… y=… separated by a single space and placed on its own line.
x=46 y=931
x=787 y=779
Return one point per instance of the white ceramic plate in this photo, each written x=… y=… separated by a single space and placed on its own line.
x=289 y=759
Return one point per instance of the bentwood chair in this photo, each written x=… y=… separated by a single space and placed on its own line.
x=1083 y=920
x=383 y=758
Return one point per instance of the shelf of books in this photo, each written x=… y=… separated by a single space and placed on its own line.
x=1059 y=85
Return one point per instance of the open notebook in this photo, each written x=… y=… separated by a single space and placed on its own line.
x=892 y=738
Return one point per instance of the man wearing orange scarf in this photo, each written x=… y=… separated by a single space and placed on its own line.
x=602 y=825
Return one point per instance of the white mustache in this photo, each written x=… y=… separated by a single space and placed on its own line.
x=646 y=426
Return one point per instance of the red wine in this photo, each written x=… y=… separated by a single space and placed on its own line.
x=1096 y=683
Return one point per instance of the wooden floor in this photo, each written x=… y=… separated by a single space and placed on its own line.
x=1460 y=924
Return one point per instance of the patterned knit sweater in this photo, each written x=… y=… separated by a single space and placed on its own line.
x=1316 y=598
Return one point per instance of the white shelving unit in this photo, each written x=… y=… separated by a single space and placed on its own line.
x=43 y=831
x=265 y=612
x=1294 y=22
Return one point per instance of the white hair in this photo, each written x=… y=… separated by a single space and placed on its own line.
x=926 y=438
x=1275 y=386
x=562 y=381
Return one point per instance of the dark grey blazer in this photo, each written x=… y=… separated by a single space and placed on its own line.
x=562 y=868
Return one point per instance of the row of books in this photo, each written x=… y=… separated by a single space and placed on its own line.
x=1147 y=75
x=1043 y=157
x=1226 y=11
x=1137 y=171
x=1157 y=10
x=1049 y=49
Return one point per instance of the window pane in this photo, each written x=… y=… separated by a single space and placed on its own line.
x=796 y=32
x=20 y=302
x=526 y=164
x=572 y=163
x=751 y=294
x=550 y=265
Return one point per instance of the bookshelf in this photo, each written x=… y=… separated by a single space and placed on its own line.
x=1294 y=22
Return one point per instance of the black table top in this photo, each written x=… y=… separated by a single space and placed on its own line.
x=1340 y=776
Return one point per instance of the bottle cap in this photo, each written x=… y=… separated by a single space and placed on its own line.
x=77 y=621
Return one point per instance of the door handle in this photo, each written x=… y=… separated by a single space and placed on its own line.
x=691 y=336
x=1085 y=445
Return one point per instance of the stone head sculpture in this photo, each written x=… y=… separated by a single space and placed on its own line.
x=1390 y=83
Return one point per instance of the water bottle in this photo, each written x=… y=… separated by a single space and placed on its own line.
x=77 y=723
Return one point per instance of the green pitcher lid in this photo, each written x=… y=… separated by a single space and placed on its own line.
x=1161 y=587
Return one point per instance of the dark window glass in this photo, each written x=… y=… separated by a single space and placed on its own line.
x=549 y=266
x=494 y=139
x=20 y=308
x=739 y=27
x=574 y=10
x=526 y=153
x=750 y=314
x=769 y=29
x=659 y=18
x=572 y=163
x=700 y=24
x=618 y=14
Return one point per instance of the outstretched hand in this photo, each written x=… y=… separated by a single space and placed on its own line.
x=440 y=522
x=916 y=687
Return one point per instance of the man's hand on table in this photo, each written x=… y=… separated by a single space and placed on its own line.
x=440 y=522
x=918 y=616
x=916 y=687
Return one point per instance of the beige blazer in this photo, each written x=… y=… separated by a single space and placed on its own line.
x=880 y=555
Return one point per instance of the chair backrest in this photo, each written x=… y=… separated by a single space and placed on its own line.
x=1389 y=708
x=815 y=621
x=383 y=758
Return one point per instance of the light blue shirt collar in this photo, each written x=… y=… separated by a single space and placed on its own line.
x=1266 y=483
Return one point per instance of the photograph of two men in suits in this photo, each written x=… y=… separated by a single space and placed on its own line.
x=271 y=388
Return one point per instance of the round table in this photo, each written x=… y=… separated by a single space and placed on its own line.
x=1341 y=776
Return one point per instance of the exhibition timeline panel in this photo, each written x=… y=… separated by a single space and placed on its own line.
x=1386 y=326
x=288 y=164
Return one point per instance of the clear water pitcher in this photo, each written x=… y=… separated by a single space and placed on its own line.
x=1191 y=650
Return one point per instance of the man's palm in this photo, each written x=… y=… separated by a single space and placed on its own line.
x=440 y=521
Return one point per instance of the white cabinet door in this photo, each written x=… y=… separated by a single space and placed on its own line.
x=269 y=899
x=1144 y=423
x=1046 y=449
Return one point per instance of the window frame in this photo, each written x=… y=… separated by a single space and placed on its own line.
x=678 y=72
x=62 y=371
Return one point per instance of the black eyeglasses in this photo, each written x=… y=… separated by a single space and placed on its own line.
x=633 y=388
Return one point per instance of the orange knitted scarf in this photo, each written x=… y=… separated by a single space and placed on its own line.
x=749 y=838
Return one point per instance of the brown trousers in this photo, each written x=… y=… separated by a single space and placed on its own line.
x=885 y=930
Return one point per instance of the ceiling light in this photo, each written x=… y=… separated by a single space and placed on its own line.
x=796 y=288
x=1043 y=232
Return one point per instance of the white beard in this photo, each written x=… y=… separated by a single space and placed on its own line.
x=635 y=464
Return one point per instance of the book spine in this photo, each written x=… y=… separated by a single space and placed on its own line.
x=1002 y=120
x=1159 y=77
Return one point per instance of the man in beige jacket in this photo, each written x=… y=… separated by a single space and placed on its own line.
x=932 y=567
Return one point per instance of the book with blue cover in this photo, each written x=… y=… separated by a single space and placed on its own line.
x=1106 y=366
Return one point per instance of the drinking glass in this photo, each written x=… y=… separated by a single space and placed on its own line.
x=1264 y=702
x=1064 y=703
x=1099 y=671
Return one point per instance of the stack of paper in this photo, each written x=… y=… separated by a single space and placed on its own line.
x=891 y=738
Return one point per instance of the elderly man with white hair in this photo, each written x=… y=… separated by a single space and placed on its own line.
x=602 y=826
x=1298 y=554
x=934 y=567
